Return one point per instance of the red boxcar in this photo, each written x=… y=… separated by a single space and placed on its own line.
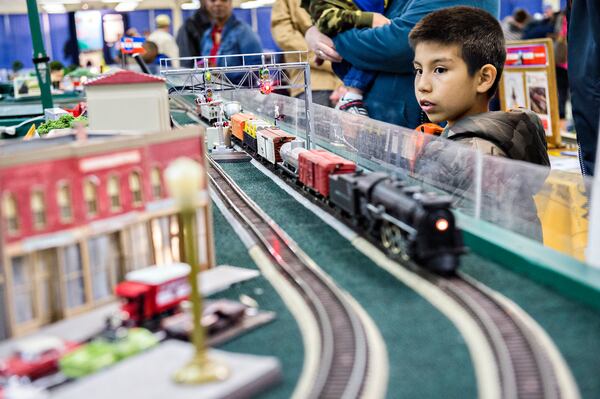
x=315 y=167
x=238 y=121
x=154 y=291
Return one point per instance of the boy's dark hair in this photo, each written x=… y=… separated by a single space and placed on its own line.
x=475 y=31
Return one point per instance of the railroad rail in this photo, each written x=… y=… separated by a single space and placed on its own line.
x=344 y=348
x=524 y=369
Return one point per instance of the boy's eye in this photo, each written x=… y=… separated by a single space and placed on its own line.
x=418 y=71
x=439 y=70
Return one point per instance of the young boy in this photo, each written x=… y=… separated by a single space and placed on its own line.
x=333 y=17
x=459 y=57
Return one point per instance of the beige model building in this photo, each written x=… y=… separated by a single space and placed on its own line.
x=128 y=101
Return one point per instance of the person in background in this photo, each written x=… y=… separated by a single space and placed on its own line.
x=560 y=59
x=289 y=22
x=459 y=58
x=189 y=36
x=164 y=40
x=386 y=51
x=334 y=18
x=545 y=27
x=132 y=32
x=228 y=35
x=152 y=56
x=514 y=25
x=584 y=77
x=57 y=73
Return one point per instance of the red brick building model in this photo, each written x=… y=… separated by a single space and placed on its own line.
x=76 y=216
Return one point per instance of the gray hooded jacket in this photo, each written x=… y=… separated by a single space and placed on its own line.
x=506 y=189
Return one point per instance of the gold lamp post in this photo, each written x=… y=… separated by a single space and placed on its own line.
x=187 y=184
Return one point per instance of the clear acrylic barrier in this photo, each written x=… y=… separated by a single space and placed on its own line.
x=528 y=199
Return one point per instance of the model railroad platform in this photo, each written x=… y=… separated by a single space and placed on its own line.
x=427 y=355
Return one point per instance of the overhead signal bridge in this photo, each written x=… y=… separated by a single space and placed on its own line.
x=259 y=71
x=236 y=72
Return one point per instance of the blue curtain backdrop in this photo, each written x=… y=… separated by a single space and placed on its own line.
x=533 y=6
x=15 y=42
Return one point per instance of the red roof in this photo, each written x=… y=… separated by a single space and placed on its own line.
x=124 y=77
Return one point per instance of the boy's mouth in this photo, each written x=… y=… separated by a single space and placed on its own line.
x=426 y=105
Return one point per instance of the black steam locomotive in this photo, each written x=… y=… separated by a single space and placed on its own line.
x=406 y=220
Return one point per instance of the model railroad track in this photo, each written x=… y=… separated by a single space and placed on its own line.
x=344 y=352
x=524 y=369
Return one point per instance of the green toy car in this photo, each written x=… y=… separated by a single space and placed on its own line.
x=102 y=352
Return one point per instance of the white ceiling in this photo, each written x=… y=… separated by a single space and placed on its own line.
x=20 y=6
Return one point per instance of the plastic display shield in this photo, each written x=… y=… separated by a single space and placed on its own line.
x=551 y=207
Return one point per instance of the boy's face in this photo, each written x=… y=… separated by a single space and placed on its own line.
x=443 y=87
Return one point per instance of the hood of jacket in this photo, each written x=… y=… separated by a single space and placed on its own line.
x=519 y=133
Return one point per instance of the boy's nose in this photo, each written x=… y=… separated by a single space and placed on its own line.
x=423 y=84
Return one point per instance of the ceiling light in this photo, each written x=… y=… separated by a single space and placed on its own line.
x=190 y=6
x=58 y=2
x=256 y=3
x=126 y=6
x=55 y=8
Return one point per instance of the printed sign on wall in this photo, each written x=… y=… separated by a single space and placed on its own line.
x=529 y=81
x=533 y=55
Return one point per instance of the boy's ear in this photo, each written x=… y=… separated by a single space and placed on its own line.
x=486 y=78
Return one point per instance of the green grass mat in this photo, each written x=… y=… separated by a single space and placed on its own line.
x=428 y=357
x=280 y=338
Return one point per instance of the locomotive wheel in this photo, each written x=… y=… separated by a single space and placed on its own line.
x=391 y=238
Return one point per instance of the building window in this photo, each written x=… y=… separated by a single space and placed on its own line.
x=22 y=289
x=161 y=240
x=11 y=214
x=156 y=186
x=138 y=247
x=90 y=195
x=104 y=256
x=73 y=276
x=38 y=208
x=114 y=193
x=63 y=198
x=47 y=285
x=135 y=185
x=3 y=317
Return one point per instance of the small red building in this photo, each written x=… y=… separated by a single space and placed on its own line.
x=77 y=216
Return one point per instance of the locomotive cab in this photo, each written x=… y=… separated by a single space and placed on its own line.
x=133 y=297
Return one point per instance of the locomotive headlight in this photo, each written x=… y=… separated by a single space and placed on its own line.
x=442 y=224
